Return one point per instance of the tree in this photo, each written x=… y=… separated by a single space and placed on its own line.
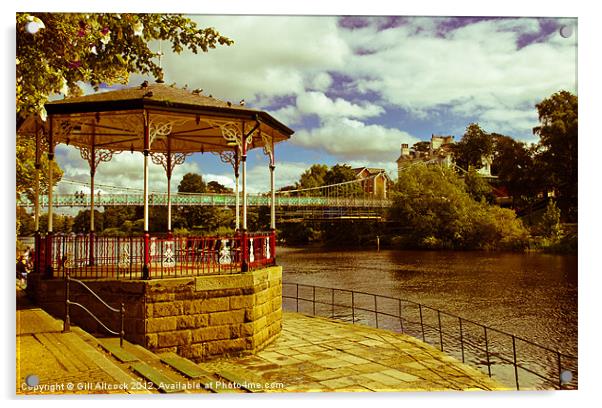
x=192 y=183
x=550 y=222
x=81 y=223
x=205 y=218
x=477 y=187
x=218 y=188
x=25 y=222
x=115 y=216
x=57 y=51
x=431 y=202
x=558 y=117
x=313 y=177
x=25 y=168
x=516 y=169
x=423 y=146
x=474 y=145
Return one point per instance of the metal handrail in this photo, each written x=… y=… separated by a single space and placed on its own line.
x=514 y=361
x=68 y=303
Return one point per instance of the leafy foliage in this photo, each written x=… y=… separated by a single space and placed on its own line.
x=433 y=203
x=313 y=177
x=25 y=168
x=477 y=187
x=474 y=145
x=97 y=49
x=558 y=133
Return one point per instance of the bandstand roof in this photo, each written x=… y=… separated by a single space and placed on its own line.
x=178 y=120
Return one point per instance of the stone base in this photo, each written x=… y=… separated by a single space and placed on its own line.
x=198 y=317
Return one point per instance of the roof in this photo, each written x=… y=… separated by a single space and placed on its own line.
x=192 y=122
x=371 y=170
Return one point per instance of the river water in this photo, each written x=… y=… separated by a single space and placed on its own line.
x=530 y=295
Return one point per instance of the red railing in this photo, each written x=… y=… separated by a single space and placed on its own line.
x=100 y=257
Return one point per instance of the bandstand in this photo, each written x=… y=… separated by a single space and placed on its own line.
x=166 y=124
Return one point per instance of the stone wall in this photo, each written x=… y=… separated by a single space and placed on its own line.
x=197 y=317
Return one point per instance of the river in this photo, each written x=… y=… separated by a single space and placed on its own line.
x=531 y=295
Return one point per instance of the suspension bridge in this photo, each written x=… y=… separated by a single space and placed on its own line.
x=346 y=200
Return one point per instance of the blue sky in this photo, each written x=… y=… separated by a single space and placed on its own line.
x=355 y=88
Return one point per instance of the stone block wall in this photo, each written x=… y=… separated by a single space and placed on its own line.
x=198 y=317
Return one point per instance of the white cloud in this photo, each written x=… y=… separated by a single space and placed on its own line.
x=271 y=56
x=320 y=82
x=319 y=104
x=352 y=139
x=478 y=64
x=124 y=171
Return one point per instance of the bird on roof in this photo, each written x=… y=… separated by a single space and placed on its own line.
x=198 y=91
x=242 y=102
x=144 y=85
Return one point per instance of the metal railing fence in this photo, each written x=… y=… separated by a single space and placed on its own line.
x=513 y=360
x=69 y=303
x=99 y=257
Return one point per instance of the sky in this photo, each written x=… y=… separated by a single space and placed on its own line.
x=354 y=88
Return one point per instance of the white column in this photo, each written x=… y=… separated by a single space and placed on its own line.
x=92 y=171
x=169 y=203
x=50 y=186
x=244 y=189
x=36 y=194
x=236 y=177
x=145 y=191
x=273 y=203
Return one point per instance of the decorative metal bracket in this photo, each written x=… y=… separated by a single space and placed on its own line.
x=100 y=155
x=160 y=128
x=169 y=160
x=232 y=133
x=230 y=157
x=268 y=147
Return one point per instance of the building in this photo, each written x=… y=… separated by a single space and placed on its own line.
x=377 y=180
x=438 y=150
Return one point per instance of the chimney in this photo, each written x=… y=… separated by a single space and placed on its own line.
x=405 y=150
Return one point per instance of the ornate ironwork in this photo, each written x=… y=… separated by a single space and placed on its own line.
x=169 y=260
x=231 y=132
x=229 y=157
x=224 y=253
x=267 y=146
x=124 y=261
x=100 y=155
x=160 y=128
x=251 y=251
x=161 y=158
x=267 y=253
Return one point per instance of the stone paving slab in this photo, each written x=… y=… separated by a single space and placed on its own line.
x=314 y=354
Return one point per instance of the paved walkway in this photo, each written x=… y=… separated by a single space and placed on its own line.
x=312 y=354
x=62 y=362
x=315 y=354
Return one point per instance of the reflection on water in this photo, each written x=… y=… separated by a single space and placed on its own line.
x=533 y=296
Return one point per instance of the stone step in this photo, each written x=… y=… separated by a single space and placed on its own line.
x=184 y=366
x=162 y=381
x=112 y=346
x=193 y=371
